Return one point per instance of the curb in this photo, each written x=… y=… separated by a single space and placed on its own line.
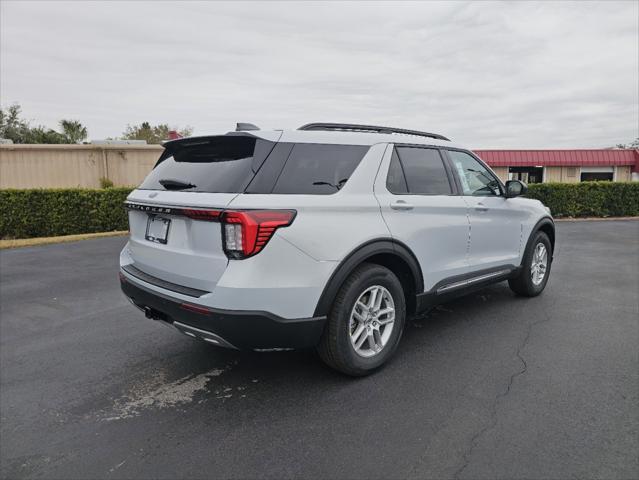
x=593 y=219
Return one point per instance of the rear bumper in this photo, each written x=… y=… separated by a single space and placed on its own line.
x=251 y=330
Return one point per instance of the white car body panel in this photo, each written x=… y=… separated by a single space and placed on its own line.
x=193 y=255
x=288 y=289
x=446 y=233
x=436 y=229
x=495 y=231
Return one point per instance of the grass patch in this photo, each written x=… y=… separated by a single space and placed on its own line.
x=31 y=242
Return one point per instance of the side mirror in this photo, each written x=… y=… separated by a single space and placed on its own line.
x=515 y=188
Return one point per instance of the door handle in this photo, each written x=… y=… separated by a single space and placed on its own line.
x=480 y=207
x=401 y=205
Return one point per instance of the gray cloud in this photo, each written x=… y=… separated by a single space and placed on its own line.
x=486 y=74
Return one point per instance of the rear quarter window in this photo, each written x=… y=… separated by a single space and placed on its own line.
x=318 y=169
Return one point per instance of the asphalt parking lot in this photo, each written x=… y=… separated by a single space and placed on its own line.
x=489 y=386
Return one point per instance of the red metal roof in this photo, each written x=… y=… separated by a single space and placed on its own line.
x=527 y=158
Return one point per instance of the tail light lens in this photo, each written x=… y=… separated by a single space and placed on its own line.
x=246 y=233
x=206 y=215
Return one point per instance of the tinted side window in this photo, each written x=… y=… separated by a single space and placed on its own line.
x=318 y=169
x=475 y=178
x=424 y=171
x=396 y=181
x=266 y=177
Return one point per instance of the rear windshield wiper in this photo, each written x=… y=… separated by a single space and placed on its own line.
x=175 y=184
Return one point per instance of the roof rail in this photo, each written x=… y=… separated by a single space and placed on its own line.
x=347 y=127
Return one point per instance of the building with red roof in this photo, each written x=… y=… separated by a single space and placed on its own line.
x=537 y=166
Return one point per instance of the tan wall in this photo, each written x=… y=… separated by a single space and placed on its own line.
x=502 y=173
x=553 y=174
x=59 y=166
x=623 y=174
x=562 y=174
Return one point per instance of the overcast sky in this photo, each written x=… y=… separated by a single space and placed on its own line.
x=494 y=75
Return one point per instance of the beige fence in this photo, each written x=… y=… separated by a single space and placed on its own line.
x=59 y=166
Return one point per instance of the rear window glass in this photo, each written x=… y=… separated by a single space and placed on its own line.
x=396 y=181
x=318 y=169
x=424 y=170
x=225 y=164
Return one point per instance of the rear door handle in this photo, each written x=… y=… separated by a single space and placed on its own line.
x=480 y=207
x=401 y=205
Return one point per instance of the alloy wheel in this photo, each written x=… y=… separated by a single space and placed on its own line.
x=372 y=320
x=539 y=264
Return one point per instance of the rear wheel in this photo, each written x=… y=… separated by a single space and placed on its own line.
x=366 y=321
x=535 y=270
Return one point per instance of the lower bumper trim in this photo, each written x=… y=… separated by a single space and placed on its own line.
x=239 y=329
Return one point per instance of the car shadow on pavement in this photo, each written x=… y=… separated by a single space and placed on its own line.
x=187 y=373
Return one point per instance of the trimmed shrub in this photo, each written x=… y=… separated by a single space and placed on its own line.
x=588 y=199
x=47 y=213
x=106 y=182
x=51 y=212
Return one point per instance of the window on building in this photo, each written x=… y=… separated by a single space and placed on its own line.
x=526 y=174
x=597 y=174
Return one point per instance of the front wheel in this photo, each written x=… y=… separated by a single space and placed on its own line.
x=366 y=321
x=535 y=269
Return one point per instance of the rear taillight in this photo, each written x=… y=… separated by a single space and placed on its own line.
x=245 y=233
x=208 y=215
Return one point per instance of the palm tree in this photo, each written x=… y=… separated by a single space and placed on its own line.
x=73 y=130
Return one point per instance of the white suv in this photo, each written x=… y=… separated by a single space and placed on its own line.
x=328 y=236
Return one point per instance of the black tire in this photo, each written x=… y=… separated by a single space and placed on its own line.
x=523 y=283
x=335 y=347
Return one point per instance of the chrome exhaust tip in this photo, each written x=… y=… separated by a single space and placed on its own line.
x=203 y=335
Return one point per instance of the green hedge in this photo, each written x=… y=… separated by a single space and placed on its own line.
x=52 y=212
x=588 y=199
x=45 y=213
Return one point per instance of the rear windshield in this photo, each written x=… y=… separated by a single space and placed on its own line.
x=224 y=164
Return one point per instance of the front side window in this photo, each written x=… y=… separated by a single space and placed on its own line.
x=476 y=179
x=418 y=171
